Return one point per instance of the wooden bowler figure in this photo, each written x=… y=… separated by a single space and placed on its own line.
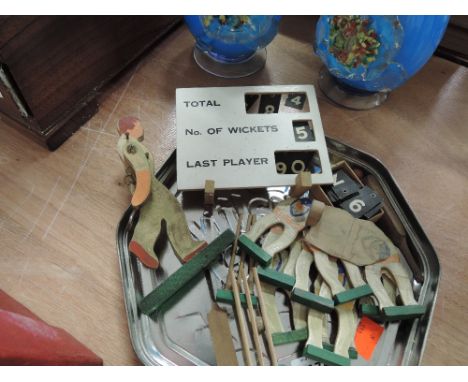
x=155 y=202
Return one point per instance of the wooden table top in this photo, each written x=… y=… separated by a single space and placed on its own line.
x=59 y=210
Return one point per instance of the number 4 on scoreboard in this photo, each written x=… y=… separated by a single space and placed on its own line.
x=296 y=100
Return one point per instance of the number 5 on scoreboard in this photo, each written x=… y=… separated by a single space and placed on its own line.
x=303 y=131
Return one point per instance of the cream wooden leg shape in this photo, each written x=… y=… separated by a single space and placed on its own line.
x=284 y=241
x=318 y=332
x=400 y=276
x=302 y=265
x=354 y=274
x=373 y=273
x=279 y=216
x=346 y=323
x=290 y=268
x=269 y=291
x=341 y=295
x=326 y=269
x=389 y=285
x=397 y=273
x=315 y=320
x=269 y=296
x=261 y=226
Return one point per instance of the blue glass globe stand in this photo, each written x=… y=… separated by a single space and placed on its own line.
x=237 y=69
x=367 y=57
x=346 y=96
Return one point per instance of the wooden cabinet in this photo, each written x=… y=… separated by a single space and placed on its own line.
x=51 y=67
x=454 y=45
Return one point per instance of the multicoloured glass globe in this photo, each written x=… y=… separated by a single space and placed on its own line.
x=377 y=53
x=232 y=39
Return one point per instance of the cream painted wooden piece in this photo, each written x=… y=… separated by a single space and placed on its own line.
x=155 y=206
x=398 y=274
x=266 y=321
x=302 y=268
x=315 y=319
x=347 y=323
x=269 y=291
x=326 y=267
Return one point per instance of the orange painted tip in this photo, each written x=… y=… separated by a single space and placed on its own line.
x=197 y=250
x=145 y=258
x=143 y=188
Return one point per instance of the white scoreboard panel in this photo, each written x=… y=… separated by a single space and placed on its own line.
x=246 y=137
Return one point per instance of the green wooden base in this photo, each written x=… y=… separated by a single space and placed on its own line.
x=255 y=251
x=301 y=335
x=290 y=337
x=352 y=294
x=183 y=276
x=326 y=356
x=226 y=296
x=392 y=313
x=279 y=279
x=352 y=352
x=370 y=310
x=313 y=301
x=404 y=312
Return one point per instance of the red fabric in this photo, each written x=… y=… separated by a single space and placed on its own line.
x=27 y=340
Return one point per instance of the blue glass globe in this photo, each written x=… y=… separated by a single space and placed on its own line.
x=377 y=53
x=232 y=39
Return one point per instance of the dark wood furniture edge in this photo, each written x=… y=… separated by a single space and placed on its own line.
x=451 y=55
x=56 y=134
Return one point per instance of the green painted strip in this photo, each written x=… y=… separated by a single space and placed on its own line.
x=372 y=311
x=404 y=312
x=300 y=335
x=290 y=337
x=325 y=356
x=280 y=279
x=226 y=296
x=252 y=249
x=176 y=282
x=312 y=300
x=353 y=294
x=352 y=352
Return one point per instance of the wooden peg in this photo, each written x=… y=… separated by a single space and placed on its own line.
x=209 y=192
x=303 y=183
x=263 y=311
x=251 y=313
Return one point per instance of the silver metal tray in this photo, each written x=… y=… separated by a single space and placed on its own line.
x=180 y=335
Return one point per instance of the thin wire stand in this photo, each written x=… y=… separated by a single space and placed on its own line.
x=230 y=70
x=347 y=96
